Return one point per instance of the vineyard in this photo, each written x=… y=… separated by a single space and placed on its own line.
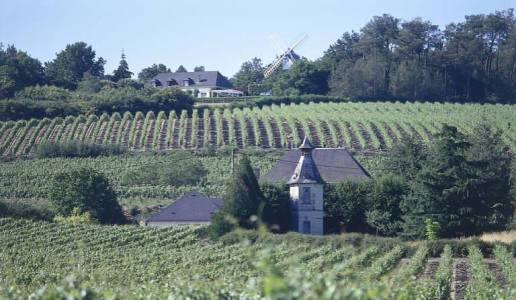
x=358 y=126
x=30 y=178
x=150 y=263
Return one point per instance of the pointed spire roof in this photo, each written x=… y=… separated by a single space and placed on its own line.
x=306 y=171
x=306 y=145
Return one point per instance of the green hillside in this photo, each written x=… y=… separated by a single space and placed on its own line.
x=359 y=126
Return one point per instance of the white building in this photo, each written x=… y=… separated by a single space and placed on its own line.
x=307 y=170
x=306 y=194
x=205 y=84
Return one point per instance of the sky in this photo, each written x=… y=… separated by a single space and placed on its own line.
x=218 y=34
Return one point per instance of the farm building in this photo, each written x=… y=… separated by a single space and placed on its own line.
x=203 y=84
x=191 y=208
x=306 y=170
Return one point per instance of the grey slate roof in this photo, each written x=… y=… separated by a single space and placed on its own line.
x=333 y=164
x=199 y=79
x=306 y=170
x=191 y=207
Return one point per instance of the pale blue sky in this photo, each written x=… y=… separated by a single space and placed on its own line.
x=217 y=34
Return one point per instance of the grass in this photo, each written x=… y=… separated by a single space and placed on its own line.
x=506 y=237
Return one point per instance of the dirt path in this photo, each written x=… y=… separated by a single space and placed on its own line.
x=430 y=268
x=460 y=278
x=496 y=270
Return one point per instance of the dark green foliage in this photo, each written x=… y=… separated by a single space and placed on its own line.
x=276 y=212
x=28 y=109
x=88 y=190
x=383 y=212
x=181 y=69
x=472 y=60
x=91 y=84
x=25 y=208
x=406 y=159
x=122 y=72
x=37 y=102
x=243 y=200
x=183 y=169
x=345 y=204
x=18 y=70
x=251 y=72
x=303 y=77
x=150 y=72
x=491 y=174
x=76 y=149
x=464 y=185
x=44 y=93
x=172 y=97
x=440 y=190
x=70 y=65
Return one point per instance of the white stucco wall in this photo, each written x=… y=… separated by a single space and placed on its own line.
x=314 y=212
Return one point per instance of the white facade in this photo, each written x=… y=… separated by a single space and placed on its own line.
x=307 y=210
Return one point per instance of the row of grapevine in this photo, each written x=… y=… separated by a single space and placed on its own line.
x=132 y=261
x=359 y=126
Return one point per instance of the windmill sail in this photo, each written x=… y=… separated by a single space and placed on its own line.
x=286 y=59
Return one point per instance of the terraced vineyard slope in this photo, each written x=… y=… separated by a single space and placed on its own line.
x=134 y=262
x=359 y=126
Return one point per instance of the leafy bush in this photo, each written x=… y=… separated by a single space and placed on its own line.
x=25 y=208
x=276 y=211
x=88 y=191
x=345 y=205
x=44 y=92
x=37 y=102
x=76 y=149
x=76 y=217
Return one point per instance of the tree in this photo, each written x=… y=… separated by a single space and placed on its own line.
x=171 y=96
x=122 y=71
x=251 y=72
x=89 y=84
x=303 y=77
x=88 y=191
x=406 y=159
x=17 y=71
x=181 y=69
x=491 y=178
x=199 y=69
x=383 y=212
x=345 y=205
x=276 y=212
x=243 y=199
x=441 y=190
x=149 y=72
x=70 y=65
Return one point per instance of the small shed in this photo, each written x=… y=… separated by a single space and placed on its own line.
x=191 y=208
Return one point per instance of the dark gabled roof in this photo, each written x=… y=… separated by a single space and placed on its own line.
x=191 y=207
x=197 y=79
x=333 y=164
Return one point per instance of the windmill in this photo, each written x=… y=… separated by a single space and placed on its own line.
x=286 y=59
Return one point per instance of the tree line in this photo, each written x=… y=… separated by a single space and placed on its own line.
x=473 y=60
